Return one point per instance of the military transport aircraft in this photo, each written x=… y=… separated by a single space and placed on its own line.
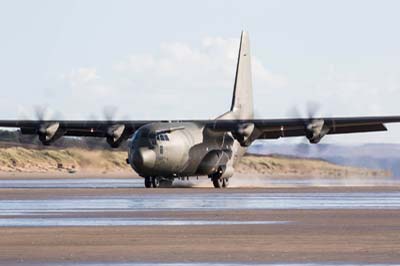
x=161 y=151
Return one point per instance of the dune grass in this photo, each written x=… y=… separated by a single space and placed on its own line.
x=19 y=159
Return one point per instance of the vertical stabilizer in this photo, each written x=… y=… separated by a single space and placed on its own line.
x=242 y=101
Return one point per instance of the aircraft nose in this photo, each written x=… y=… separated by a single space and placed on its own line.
x=143 y=159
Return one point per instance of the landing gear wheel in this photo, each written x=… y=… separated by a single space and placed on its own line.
x=166 y=183
x=217 y=182
x=225 y=183
x=147 y=182
x=155 y=182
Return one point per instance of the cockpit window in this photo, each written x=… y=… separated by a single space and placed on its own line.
x=162 y=137
x=152 y=137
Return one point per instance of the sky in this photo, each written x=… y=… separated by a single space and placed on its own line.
x=176 y=59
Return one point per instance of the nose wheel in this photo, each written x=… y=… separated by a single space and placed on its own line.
x=150 y=181
x=155 y=182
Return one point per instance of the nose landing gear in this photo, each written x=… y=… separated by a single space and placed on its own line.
x=155 y=182
x=150 y=181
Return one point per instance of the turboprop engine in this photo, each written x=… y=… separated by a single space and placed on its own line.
x=316 y=130
x=114 y=135
x=243 y=134
x=49 y=132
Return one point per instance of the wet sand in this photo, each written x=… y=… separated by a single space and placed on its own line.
x=296 y=225
x=315 y=236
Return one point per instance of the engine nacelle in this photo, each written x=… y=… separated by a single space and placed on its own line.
x=49 y=132
x=243 y=133
x=114 y=135
x=316 y=130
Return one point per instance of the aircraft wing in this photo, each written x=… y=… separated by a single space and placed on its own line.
x=50 y=130
x=314 y=129
x=245 y=131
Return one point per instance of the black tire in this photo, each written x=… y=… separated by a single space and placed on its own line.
x=155 y=182
x=166 y=183
x=147 y=182
x=225 y=183
x=217 y=182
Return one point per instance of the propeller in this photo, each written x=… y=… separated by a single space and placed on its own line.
x=311 y=125
x=109 y=112
x=43 y=113
x=40 y=113
x=113 y=133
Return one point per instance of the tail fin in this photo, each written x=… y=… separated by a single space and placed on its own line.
x=242 y=101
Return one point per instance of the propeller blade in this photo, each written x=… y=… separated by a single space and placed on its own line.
x=312 y=108
x=109 y=112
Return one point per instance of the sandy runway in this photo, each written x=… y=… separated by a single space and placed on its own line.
x=117 y=225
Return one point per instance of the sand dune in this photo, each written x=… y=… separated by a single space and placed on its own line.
x=73 y=160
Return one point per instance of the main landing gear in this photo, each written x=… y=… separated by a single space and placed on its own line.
x=220 y=182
